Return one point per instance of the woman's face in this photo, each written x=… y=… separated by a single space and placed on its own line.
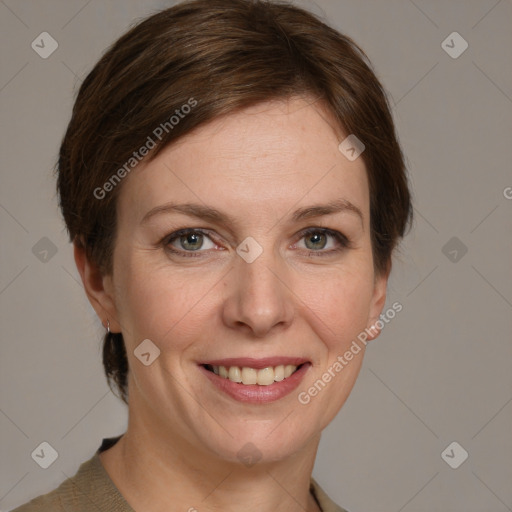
x=277 y=264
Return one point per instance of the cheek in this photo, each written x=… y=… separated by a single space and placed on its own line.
x=341 y=305
x=158 y=302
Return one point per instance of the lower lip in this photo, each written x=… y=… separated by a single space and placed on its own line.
x=257 y=394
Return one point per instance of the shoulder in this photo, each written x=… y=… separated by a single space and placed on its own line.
x=51 y=501
x=72 y=495
x=325 y=503
x=89 y=489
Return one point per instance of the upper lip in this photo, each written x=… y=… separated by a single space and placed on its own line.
x=258 y=364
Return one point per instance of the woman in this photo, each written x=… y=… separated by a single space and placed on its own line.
x=234 y=189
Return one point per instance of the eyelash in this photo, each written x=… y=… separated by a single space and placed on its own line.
x=343 y=241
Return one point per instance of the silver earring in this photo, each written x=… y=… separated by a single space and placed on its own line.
x=108 y=326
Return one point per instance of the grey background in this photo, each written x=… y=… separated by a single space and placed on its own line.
x=440 y=372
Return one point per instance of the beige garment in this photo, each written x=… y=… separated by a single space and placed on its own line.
x=92 y=490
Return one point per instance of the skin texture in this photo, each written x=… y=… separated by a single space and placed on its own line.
x=257 y=166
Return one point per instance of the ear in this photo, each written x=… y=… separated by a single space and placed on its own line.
x=99 y=289
x=377 y=302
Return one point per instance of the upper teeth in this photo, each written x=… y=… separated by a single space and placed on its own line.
x=263 y=377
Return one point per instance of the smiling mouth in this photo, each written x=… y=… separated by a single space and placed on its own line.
x=250 y=376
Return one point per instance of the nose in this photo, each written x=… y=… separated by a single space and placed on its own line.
x=259 y=299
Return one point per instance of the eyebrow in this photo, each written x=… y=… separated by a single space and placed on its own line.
x=214 y=215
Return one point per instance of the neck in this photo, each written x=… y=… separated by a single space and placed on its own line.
x=158 y=472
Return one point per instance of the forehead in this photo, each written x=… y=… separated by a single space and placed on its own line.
x=265 y=158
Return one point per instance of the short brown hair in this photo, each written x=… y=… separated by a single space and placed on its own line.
x=224 y=55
